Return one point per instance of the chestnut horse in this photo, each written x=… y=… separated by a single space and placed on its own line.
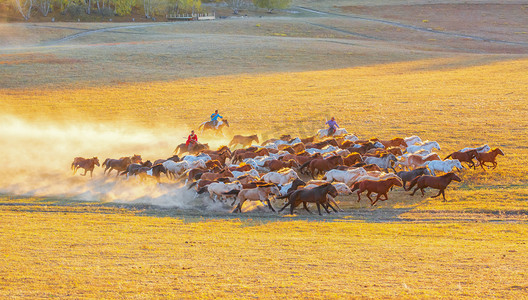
x=323 y=164
x=210 y=126
x=119 y=165
x=88 y=164
x=435 y=182
x=380 y=187
x=489 y=157
x=317 y=195
x=245 y=141
x=275 y=164
x=464 y=156
x=196 y=148
x=395 y=142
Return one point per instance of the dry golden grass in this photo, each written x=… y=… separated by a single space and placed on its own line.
x=89 y=254
x=93 y=251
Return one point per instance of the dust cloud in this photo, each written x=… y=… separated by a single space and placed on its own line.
x=37 y=157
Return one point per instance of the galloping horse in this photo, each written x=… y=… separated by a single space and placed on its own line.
x=316 y=195
x=380 y=187
x=410 y=175
x=489 y=157
x=435 y=182
x=196 y=148
x=465 y=156
x=119 y=165
x=245 y=141
x=261 y=192
x=88 y=164
x=323 y=164
x=209 y=125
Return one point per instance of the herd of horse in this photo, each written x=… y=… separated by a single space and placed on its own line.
x=303 y=170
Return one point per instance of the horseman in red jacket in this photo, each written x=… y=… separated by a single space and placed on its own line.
x=191 y=141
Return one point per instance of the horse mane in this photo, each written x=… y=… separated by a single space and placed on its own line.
x=284 y=170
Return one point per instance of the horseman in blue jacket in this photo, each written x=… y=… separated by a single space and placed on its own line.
x=214 y=118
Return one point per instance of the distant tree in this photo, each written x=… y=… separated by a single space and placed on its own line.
x=154 y=7
x=236 y=5
x=24 y=7
x=184 y=6
x=270 y=5
x=44 y=6
x=123 y=7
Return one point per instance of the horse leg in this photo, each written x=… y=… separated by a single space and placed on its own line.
x=326 y=206
x=423 y=192
x=443 y=195
x=404 y=185
x=359 y=195
x=306 y=207
x=377 y=198
x=439 y=193
x=482 y=165
x=269 y=205
x=239 y=206
x=371 y=201
x=85 y=171
x=319 y=208
x=285 y=205
x=415 y=190
x=331 y=199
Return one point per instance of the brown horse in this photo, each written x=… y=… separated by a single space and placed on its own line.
x=381 y=187
x=243 y=140
x=435 y=182
x=410 y=175
x=395 y=142
x=210 y=126
x=88 y=164
x=174 y=158
x=220 y=157
x=464 y=156
x=275 y=164
x=214 y=176
x=414 y=161
x=352 y=159
x=242 y=168
x=119 y=165
x=195 y=149
x=322 y=164
x=317 y=195
x=489 y=157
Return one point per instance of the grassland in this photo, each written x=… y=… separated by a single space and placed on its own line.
x=143 y=84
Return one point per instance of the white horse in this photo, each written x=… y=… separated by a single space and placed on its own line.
x=348 y=177
x=216 y=189
x=412 y=140
x=382 y=162
x=324 y=132
x=280 y=177
x=377 y=176
x=351 y=137
x=326 y=149
x=251 y=172
x=427 y=145
x=192 y=158
x=444 y=166
x=175 y=168
x=481 y=149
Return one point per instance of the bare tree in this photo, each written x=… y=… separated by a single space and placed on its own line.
x=25 y=8
x=236 y=5
x=44 y=6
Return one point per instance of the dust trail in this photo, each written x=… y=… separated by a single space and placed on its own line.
x=37 y=159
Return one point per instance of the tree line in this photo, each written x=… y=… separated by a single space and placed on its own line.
x=150 y=8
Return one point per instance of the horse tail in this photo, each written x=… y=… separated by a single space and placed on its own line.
x=286 y=196
x=232 y=192
x=105 y=163
x=448 y=156
x=201 y=125
x=72 y=165
x=413 y=182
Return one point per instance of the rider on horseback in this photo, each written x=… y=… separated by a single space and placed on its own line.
x=332 y=126
x=192 y=139
x=214 y=118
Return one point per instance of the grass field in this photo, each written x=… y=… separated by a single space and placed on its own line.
x=141 y=90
